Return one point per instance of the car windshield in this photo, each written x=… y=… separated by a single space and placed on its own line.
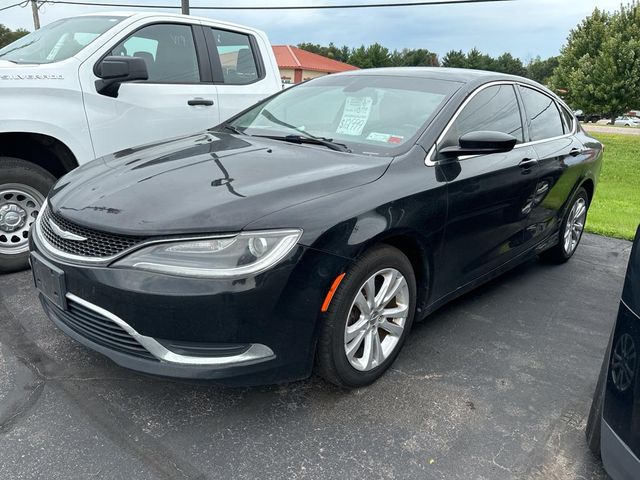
x=370 y=114
x=58 y=40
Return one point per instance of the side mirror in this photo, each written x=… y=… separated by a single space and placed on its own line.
x=480 y=143
x=113 y=71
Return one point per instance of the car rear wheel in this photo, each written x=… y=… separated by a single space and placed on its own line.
x=571 y=229
x=368 y=319
x=23 y=188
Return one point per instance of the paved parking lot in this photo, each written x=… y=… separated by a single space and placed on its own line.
x=496 y=385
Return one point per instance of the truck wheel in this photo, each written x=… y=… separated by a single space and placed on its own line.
x=23 y=188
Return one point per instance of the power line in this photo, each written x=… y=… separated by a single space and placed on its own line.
x=14 y=5
x=278 y=7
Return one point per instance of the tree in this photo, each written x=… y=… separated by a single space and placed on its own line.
x=375 y=55
x=507 y=63
x=455 y=59
x=8 y=36
x=599 y=67
x=420 y=57
x=541 y=70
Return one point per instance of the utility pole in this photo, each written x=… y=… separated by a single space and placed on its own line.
x=36 y=16
x=185 y=7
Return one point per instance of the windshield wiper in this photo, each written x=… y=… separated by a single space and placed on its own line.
x=233 y=129
x=327 y=142
x=302 y=135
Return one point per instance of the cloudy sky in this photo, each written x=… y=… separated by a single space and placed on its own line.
x=526 y=28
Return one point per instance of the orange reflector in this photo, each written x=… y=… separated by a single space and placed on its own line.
x=331 y=292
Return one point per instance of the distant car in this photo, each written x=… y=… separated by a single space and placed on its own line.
x=627 y=122
x=613 y=430
x=312 y=228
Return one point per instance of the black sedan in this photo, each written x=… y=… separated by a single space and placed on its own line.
x=312 y=229
x=613 y=429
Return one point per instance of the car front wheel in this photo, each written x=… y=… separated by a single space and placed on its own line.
x=23 y=189
x=368 y=319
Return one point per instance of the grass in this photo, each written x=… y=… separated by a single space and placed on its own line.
x=615 y=211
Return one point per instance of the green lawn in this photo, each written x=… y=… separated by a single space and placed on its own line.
x=615 y=210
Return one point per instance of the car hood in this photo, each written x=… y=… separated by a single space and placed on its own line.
x=208 y=182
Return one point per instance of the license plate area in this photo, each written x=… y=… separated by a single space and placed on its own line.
x=49 y=280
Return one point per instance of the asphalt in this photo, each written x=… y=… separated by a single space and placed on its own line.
x=496 y=385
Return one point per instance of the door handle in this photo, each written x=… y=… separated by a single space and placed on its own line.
x=575 y=152
x=528 y=163
x=199 y=101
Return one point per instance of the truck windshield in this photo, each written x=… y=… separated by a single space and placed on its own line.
x=59 y=40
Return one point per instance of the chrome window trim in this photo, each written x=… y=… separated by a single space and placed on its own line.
x=256 y=352
x=630 y=309
x=429 y=162
x=60 y=255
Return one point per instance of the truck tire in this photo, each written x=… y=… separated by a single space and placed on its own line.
x=23 y=189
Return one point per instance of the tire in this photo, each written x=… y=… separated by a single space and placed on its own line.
x=23 y=189
x=385 y=265
x=560 y=252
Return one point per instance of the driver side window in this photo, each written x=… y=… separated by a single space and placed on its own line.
x=493 y=109
x=168 y=50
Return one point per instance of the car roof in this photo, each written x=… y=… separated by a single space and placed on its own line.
x=471 y=79
x=463 y=75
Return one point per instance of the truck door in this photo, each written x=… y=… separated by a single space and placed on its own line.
x=239 y=69
x=178 y=98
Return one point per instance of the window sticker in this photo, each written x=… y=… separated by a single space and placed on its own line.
x=385 y=138
x=355 y=115
x=378 y=137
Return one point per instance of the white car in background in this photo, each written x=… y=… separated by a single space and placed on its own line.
x=627 y=122
x=87 y=86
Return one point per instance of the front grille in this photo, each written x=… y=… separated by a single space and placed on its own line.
x=97 y=244
x=99 y=329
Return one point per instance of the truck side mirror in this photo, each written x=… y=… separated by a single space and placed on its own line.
x=112 y=71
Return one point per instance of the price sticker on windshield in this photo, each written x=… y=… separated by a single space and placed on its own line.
x=355 y=116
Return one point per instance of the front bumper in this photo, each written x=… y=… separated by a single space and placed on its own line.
x=257 y=330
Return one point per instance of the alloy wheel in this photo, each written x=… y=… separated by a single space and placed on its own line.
x=19 y=207
x=623 y=362
x=575 y=225
x=376 y=319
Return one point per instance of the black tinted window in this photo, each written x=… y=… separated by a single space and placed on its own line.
x=542 y=114
x=567 y=120
x=168 y=50
x=236 y=57
x=494 y=109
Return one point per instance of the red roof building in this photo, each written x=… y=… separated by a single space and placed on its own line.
x=297 y=65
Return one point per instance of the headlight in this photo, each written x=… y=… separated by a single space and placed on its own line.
x=245 y=254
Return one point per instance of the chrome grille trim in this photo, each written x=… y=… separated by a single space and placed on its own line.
x=96 y=244
x=254 y=354
x=70 y=258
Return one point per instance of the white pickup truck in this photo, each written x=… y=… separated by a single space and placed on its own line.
x=87 y=86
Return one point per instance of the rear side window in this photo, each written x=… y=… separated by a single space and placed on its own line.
x=493 y=108
x=542 y=114
x=168 y=50
x=237 y=57
x=567 y=119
